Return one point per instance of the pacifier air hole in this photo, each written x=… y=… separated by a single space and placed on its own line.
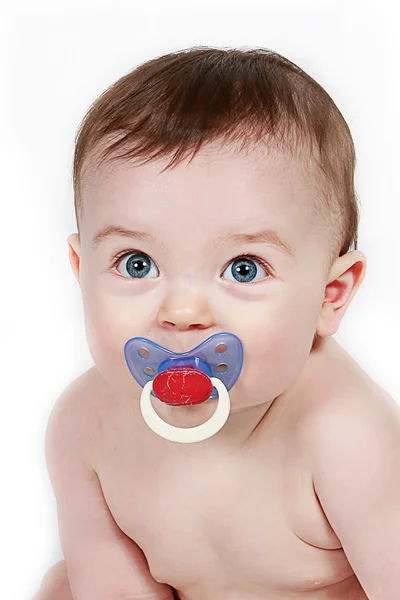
x=148 y=371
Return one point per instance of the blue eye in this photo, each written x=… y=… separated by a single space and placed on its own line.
x=244 y=269
x=137 y=265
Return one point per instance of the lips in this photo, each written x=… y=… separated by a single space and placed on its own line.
x=182 y=386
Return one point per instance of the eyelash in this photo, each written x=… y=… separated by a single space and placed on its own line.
x=116 y=259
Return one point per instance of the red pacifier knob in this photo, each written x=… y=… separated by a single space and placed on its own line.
x=182 y=386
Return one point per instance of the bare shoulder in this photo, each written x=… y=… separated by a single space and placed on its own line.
x=346 y=401
x=76 y=414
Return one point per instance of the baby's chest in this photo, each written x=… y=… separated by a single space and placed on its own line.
x=228 y=526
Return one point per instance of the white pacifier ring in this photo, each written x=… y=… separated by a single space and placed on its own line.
x=186 y=435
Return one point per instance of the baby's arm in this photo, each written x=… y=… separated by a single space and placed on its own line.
x=103 y=563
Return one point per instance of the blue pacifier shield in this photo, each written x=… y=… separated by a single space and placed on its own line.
x=220 y=355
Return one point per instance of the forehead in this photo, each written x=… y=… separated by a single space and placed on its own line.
x=221 y=190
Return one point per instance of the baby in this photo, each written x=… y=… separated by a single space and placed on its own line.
x=296 y=491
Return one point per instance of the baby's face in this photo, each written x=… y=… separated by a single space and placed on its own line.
x=181 y=280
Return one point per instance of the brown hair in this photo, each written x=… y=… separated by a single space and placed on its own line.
x=185 y=99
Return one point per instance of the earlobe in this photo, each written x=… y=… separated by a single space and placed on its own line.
x=345 y=277
x=75 y=253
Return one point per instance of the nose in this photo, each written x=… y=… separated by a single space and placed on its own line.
x=185 y=308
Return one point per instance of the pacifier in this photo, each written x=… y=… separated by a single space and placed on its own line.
x=204 y=373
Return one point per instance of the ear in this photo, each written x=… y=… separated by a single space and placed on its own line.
x=74 y=253
x=345 y=277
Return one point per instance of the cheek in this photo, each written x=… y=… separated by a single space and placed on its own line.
x=109 y=323
x=277 y=343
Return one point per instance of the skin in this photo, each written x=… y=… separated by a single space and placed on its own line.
x=190 y=292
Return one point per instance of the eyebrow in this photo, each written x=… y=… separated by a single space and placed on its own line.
x=266 y=236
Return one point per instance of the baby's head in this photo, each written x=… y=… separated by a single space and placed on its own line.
x=253 y=235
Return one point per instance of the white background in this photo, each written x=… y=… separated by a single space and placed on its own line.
x=56 y=58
